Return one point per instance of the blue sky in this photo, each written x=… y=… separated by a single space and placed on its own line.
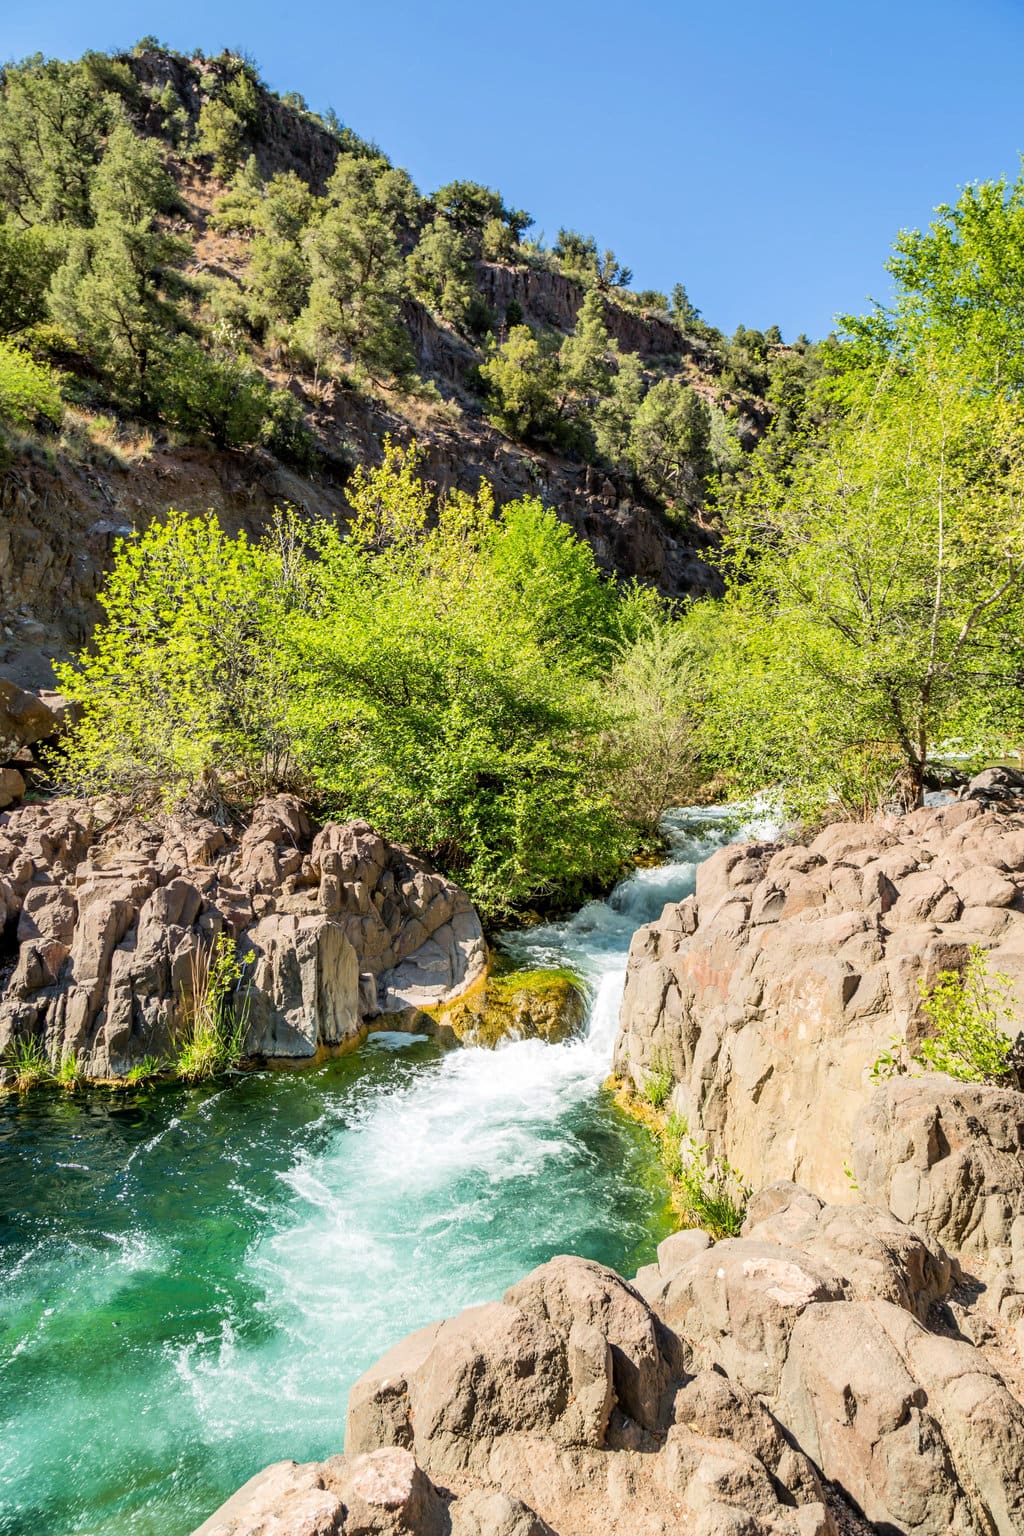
x=763 y=155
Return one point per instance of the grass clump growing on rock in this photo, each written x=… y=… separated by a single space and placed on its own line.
x=69 y=1073
x=712 y=1193
x=658 y=1080
x=145 y=1071
x=216 y=1023
x=27 y=1063
x=707 y=1191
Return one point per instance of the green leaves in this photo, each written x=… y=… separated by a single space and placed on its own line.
x=29 y=392
x=875 y=593
x=440 y=672
x=967 y=1012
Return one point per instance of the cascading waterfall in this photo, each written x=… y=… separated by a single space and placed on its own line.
x=190 y=1281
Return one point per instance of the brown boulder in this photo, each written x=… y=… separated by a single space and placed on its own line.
x=771 y=993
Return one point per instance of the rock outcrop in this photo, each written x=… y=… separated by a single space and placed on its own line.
x=770 y=993
x=104 y=922
x=948 y=1158
x=798 y=1381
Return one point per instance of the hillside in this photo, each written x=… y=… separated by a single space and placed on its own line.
x=233 y=301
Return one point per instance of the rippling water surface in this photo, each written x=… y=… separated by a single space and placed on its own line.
x=191 y=1280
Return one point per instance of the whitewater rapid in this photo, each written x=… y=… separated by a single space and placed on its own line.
x=201 y=1276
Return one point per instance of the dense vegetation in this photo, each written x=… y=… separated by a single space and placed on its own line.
x=468 y=682
x=460 y=675
x=874 y=616
x=185 y=249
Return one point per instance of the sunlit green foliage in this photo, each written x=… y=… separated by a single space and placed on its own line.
x=971 y=1014
x=29 y=391
x=669 y=443
x=28 y=259
x=442 y=672
x=874 y=607
x=522 y=377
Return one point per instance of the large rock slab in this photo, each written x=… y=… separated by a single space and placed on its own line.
x=771 y=992
x=948 y=1158
x=382 y=1494
x=568 y=1404
x=112 y=916
x=919 y=1430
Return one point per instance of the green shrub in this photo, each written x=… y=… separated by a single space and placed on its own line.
x=441 y=672
x=29 y=391
x=967 y=1011
x=223 y=397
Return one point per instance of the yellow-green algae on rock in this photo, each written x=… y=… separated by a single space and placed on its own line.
x=541 y=1004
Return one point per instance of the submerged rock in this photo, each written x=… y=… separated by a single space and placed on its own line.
x=107 y=919
x=547 y=1005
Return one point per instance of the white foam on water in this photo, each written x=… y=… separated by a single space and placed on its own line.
x=419 y=1199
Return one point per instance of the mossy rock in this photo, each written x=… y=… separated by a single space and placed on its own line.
x=547 y=1005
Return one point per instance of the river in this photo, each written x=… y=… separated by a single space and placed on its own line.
x=191 y=1279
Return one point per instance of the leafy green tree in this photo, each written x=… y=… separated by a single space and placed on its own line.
x=227 y=118
x=221 y=136
x=28 y=260
x=669 y=443
x=29 y=392
x=359 y=279
x=650 y=754
x=576 y=254
x=587 y=356
x=961 y=285
x=441 y=270
x=179 y=678
x=52 y=124
x=498 y=242
x=471 y=208
x=278 y=279
x=683 y=312
x=521 y=376
x=746 y=363
x=613 y=415
x=875 y=600
x=611 y=273
x=113 y=292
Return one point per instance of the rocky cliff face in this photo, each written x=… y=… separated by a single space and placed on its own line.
x=771 y=992
x=103 y=921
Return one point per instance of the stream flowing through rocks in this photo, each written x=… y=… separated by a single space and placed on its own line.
x=191 y=1279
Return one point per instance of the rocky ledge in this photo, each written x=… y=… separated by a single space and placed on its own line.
x=807 y=1379
x=770 y=993
x=103 y=917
